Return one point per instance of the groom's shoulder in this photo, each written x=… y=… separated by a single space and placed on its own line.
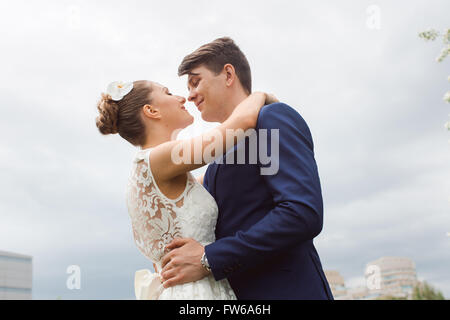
x=278 y=111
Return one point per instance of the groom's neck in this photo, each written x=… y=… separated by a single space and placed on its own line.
x=232 y=102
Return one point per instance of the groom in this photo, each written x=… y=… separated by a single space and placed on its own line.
x=266 y=223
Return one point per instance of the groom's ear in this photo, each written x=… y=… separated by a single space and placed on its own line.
x=230 y=74
x=151 y=112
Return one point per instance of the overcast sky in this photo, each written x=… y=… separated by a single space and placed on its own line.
x=371 y=97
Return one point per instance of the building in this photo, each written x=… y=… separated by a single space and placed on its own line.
x=358 y=293
x=15 y=276
x=385 y=277
x=391 y=276
x=341 y=292
x=337 y=284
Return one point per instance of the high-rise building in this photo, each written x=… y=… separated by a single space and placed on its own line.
x=337 y=284
x=391 y=276
x=15 y=276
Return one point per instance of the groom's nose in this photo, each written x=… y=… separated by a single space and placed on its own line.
x=192 y=95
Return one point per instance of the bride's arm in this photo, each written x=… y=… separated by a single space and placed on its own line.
x=165 y=159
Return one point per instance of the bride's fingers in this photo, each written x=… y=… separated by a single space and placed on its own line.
x=270 y=98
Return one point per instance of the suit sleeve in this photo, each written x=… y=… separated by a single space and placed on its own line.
x=297 y=215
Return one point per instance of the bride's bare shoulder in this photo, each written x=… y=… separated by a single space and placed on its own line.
x=200 y=179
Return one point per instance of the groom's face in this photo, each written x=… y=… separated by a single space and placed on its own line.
x=207 y=91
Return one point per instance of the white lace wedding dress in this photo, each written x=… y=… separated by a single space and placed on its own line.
x=156 y=220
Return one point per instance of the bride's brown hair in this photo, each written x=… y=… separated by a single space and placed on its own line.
x=124 y=116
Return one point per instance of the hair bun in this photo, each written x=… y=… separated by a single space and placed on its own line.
x=109 y=112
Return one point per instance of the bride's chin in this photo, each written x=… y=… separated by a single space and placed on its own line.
x=187 y=123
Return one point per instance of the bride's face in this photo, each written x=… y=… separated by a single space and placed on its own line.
x=171 y=107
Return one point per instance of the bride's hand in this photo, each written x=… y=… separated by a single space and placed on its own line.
x=270 y=98
x=250 y=107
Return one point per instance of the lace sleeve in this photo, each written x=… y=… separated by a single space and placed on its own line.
x=153 y=219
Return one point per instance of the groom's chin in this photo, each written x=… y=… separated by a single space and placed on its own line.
x=207 y=118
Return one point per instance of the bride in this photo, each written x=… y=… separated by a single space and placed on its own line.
x=164 y=200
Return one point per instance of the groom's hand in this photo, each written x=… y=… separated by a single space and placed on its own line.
x=182 y=264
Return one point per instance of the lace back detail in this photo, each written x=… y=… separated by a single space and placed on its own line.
x=153 y=216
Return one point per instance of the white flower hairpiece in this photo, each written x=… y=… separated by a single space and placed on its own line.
x=118 y=89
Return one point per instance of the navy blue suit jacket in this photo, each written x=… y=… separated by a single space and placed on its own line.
x=267 y=223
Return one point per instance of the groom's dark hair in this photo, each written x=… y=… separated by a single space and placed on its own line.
x=214 y=56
